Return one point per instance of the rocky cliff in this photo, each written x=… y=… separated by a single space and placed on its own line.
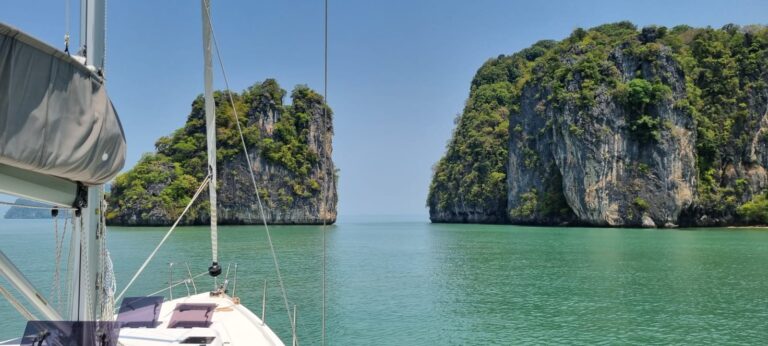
x=290 y=149
x=615 y=126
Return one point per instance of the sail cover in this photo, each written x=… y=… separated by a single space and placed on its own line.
x=55 y=116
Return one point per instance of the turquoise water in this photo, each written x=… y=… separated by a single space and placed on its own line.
x=396 y=281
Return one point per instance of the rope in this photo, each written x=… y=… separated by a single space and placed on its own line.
x=325 y=115
x=67 y=16
x=178 y=283
x=85 y=267
x=190 y=277
x=253 y=178
x=20 y=308
x=56 y=289
x=143 y=266
x=322 y=340
x=70 y=263
x=109 y=284
x=57 y=261
x=325 y=58
x=108 y=281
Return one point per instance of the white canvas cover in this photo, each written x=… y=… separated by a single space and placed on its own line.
x=55 y=116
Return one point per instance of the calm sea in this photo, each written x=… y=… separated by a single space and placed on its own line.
x=403 y=281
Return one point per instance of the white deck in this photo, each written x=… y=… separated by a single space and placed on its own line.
x=231 y=324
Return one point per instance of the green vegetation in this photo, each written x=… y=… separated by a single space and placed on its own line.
x=578 y=131
x=528 y=204
x=637 y=96
x=641 y=204
x=644 y=169
x=165 y=180
x=725 y=86
x=472 y=175
x=756 y=210
x=574 y=69
x=725 y=73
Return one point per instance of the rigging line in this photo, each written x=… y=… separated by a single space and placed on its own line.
x=178 y=283
x=70 y=262
x=325 y=57
x=84 y=267
x=19 y=307
x=167 y=234
x=107 y=275
x=67 y=16
x=325 y=116
x=58 y=259
x=253 y=178
x=60 y=249
x=85 y=240
x=58 y=244
x=322 y=340
x=115 y=308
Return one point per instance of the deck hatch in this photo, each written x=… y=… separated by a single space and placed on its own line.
x=190 y=315
x=138 y=312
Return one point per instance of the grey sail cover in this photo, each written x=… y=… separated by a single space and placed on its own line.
x=55 y=116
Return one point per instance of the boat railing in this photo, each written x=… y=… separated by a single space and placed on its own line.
x=264 y=305
x=225 y=286
x=190 y=279
x=294 y=337
x=293 y=328
x=170 y=280
x=234 y=283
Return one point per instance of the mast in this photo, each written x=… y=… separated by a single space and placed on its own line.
x=85 y=246
x=210 y=127
x=85 y=271
x=93 y=33
x=84 y=149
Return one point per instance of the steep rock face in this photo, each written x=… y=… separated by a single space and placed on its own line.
x=535 y=183
x=290 y=150
x=469 y=182
x=237 y=202
x=606 y=174
x=730 y=87
x=615 y=126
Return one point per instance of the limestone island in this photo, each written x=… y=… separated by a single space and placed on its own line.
x=614 y=126
x=290 y=148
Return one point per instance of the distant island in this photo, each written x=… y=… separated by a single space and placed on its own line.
x=17 y=212
x=614 y=126
x=290 y=148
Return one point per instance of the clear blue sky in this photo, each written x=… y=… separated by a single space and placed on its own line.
x=399 y=69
